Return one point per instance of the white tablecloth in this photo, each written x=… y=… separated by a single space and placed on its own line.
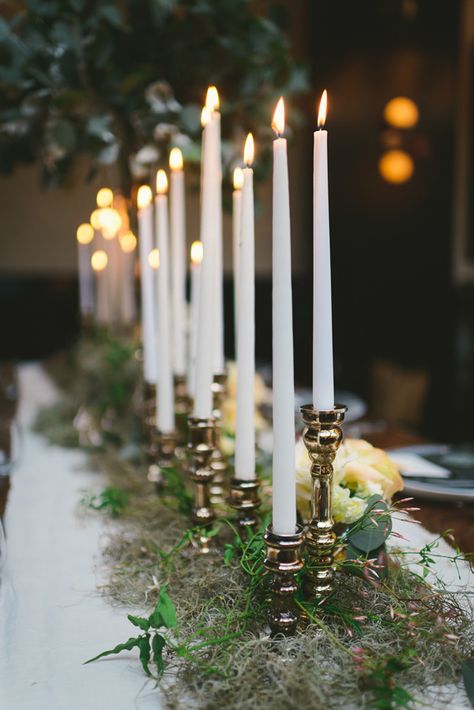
x=52 y=617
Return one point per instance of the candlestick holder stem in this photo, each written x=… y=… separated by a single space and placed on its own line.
x=149 y=425
x=181 y=405
x=283 y=560
x=201 y=447
x=322 y=438
x=245 y=500
x=218 y=462
x=164 y=457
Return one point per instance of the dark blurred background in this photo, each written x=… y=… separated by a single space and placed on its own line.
x=402 y=228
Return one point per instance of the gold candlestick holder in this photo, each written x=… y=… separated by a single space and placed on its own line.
x=218 y=462
x=245 y=500
x=202 y=443
x=149 y=425
x=164 y=457
x=182 y=408
x=322 y=438
x=283 y=560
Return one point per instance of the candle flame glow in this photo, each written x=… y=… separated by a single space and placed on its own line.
x=144 y=196
x=176 y=159
x=99 y=260
x=278 y=123
x=95 y=218
x=323 y=108
x=205 y=116
x=128 y=242
x=110 y=222
x=212 y=99
x=238 y=179
x=197 y=251
x=105 y=197
x=85 y=233
x=249 y=150
x=154 y=259
x=161 y=182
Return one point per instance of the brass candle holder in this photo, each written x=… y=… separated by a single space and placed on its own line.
x=218 y=462
x=149 y=425
x=283 y=560
x=181 y=406
x=322 y=437
x=165 y=453
x=202 y=443
x=245 y=500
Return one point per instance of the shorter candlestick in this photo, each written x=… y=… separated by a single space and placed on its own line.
x=165 y=451
x=245 y=500
x=149 y=426
x=182 y=409
x=322 y=438
x=201 y=446
x=218 y=462
x=283 y=560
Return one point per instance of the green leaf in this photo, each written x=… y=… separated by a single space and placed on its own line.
x=142 y=624
x=127 y=646
x=468 y=677
x=164 y=613
x=371 y=531
x=157 y=646
x=144 y=646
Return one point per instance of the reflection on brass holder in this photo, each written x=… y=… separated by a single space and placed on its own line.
x=218 y=462
x=201 y=446
x=283 y=560
x=244 y=499
x=164 y=456
x=181 y=405
x=322 y=438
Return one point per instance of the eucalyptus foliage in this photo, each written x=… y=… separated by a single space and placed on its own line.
x=121 y=80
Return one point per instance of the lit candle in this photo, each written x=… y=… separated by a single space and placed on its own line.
x=128 y=244
x=205 y=339
x=85 y=235
x=284 y=483
x=196 y=260
x=236 y=210
x=178 y=260
x=99 y=261
x=110 y=223
x=323 y=372
x=214 y=166
x=165 y=409
x=245 y=428
x=145 y=227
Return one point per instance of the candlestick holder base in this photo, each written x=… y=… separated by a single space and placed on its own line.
x=218 y=462
x=164 y=457
x=322 y=438
x=181 y=405
x=201 y=447
x=245 y=500
x=283 y=560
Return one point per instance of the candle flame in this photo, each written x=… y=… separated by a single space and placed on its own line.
x=249 y=150
x=212 y=99
x=144 y=196
x=278 y=123
x=323 y=107
x=110 y=222
x=128 y=242
x=105 y=197
x=238 y=179
x=176 y=159
x=85 y=233
x=154 y=259
x=95 y=218
x=99 y=260
x=197 y=251
x=161 y=182
x=205 y=116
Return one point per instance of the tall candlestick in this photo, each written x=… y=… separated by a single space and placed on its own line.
x=204 y=350
x=99 y=260
x=145 y=226
x=238 y=179
x=323 y=372
x=245 y=429
x=284 y=483
x=128 y=243
x=214 y=166
x=196 y=260
x=85 y=235
x=178 y=260
x=165 y=419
